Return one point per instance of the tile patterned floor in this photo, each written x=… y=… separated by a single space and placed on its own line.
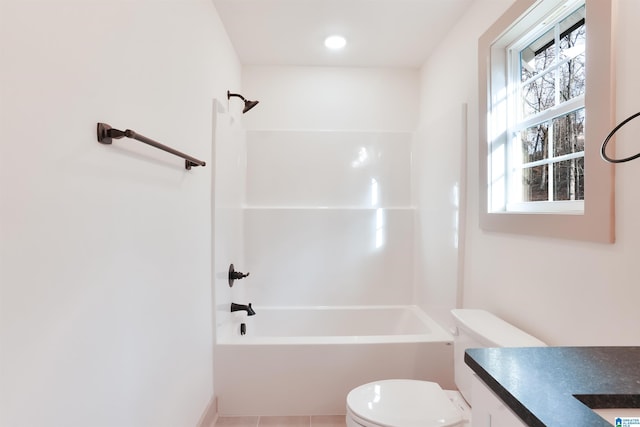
x=313 y=421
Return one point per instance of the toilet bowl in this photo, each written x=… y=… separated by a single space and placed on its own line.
x=406 y=403
x=415 y=403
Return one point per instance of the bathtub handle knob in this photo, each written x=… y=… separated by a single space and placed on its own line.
x=235 y=275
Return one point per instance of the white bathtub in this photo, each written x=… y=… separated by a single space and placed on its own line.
x=304 y=360
x=334 y=325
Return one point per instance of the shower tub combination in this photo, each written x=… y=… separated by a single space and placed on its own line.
x=305 y=360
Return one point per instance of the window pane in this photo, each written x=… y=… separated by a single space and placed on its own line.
x=535 y=143
x=572 y=78
x=568 y=180
x=572 y=34
x=535 y=186
x=572 y=47
x=538 y=95
x=538 y=56
x=568 y=133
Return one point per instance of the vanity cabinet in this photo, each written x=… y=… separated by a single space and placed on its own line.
x=488 y=410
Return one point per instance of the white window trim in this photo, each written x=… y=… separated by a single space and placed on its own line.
x=596 y=223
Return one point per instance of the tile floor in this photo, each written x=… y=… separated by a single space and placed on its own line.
x=313 y=421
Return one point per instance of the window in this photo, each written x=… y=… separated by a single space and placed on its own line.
x=546 y=104
x=547 y=136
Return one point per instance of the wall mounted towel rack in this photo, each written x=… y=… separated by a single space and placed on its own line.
x=106 y=134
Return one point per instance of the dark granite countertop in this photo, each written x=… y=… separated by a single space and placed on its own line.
x=557 y=386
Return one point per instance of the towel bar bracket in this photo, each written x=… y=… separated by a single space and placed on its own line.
x=104 y=136
x=188 y=164
x=106 y=133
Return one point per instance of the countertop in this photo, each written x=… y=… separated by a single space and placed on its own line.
x=557 y=386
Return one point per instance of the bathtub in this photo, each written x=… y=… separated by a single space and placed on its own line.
x=304 y=360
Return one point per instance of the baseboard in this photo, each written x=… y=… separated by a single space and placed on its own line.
x=210 y=414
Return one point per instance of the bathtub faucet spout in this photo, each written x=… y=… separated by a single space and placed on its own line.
x=241 y=307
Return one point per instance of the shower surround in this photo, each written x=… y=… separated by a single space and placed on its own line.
x=328 y=218
x=319 y=218
x=327 y=224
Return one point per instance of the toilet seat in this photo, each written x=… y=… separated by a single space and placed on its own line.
x=402 y=403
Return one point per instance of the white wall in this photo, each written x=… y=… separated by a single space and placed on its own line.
x=105 y=251
x=330 y=98
x=447 y=122
x=564 y=292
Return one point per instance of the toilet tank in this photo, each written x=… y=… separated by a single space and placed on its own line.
x=480 y=329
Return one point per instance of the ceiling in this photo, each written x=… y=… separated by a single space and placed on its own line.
x=379 y=33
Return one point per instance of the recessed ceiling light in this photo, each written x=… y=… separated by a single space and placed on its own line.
x=335 y=42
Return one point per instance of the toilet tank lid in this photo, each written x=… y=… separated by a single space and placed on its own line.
x=491 y=330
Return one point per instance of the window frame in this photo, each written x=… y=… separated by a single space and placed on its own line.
x=596 y=222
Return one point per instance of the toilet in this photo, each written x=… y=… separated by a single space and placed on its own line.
x=414 y=403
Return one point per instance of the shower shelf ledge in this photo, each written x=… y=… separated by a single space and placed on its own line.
x=357 y=208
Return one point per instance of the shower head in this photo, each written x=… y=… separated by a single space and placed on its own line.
x=248 y=105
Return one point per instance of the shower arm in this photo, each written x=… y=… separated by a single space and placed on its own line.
x=229 y=95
